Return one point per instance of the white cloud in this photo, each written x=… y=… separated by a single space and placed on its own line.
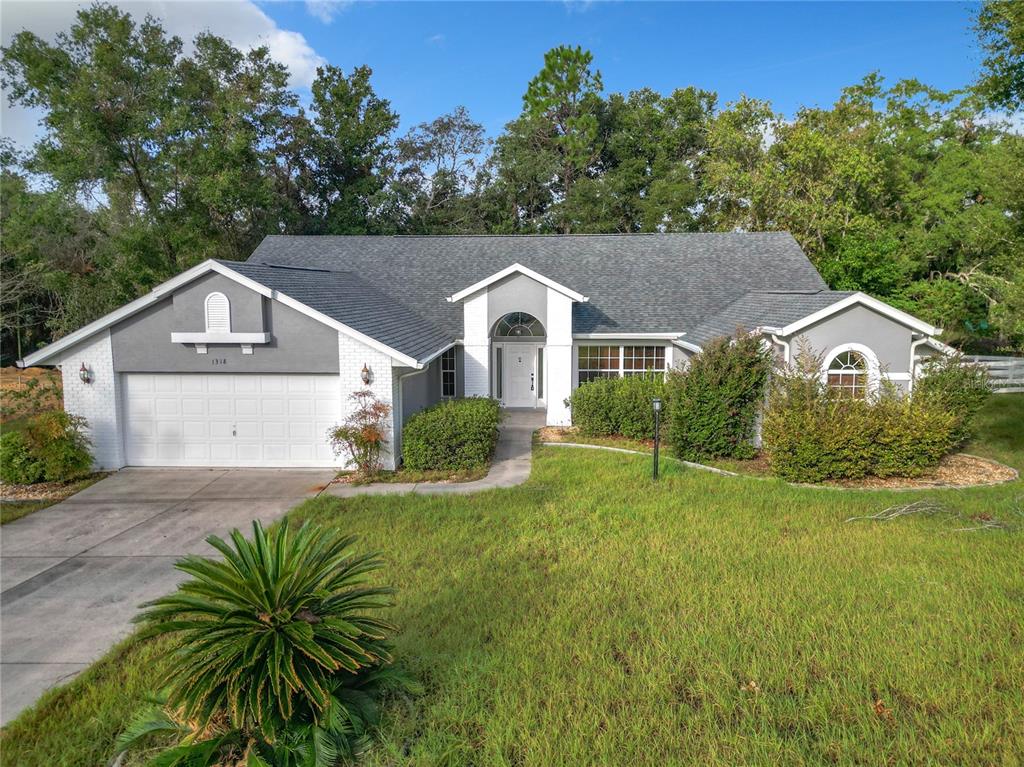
x=325 y=10
x=240 y=21
x=437 y=39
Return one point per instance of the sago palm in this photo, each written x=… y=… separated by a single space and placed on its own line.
x=264 y=633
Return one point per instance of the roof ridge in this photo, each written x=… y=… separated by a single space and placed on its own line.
x=540 y=235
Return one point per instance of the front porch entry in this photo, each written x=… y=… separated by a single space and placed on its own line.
x=522 y=372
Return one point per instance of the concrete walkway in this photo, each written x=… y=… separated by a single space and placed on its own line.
x=72 y=576
x=510 y=467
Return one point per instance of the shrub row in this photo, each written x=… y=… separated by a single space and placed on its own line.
x=843 y=438
x=51 y=447
x=608 y=406
x=453 y=436
x=811 y=433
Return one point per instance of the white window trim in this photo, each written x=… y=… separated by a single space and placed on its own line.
x=874 y=368
x=215 y=295
x=454 y=371
x=621 y=372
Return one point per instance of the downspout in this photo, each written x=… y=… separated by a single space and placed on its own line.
x=913 y=358
x=399 y=412
x=785 y=347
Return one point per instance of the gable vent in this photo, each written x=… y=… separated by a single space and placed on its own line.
x=218 y=313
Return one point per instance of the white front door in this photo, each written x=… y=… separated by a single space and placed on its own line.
x=520 y=384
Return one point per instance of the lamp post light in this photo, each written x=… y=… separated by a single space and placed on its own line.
x=656 y=404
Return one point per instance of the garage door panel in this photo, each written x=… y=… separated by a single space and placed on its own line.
x=230 y=419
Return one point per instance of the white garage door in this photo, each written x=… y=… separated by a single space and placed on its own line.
x=229 y=420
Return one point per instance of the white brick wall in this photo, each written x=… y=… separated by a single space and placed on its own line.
x=477 y=346
x=352 y=355
x=99 y=401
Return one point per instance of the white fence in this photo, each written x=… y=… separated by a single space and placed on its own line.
x=1005 y=374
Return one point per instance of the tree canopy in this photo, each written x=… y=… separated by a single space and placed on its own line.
x=153 y=159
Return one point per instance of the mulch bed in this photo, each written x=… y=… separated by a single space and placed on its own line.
x=44 y=491
x=957 y=470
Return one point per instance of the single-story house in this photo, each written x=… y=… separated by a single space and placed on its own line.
x=250 y=363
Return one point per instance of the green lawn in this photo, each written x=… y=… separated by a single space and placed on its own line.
x=593 y=617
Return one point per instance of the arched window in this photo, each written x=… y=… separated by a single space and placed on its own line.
x=848 y=374
x=518 y=325
x=218 y=313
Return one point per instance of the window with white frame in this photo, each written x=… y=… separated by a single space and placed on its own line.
x=637 y=360
x=448 y=372
x=598 y=362
x=614 y=361
x=218 y=313
x=848 y=374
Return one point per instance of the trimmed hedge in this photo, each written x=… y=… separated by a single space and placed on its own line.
x=453 y=436
x=51 y=447
x=715 y=401
x=607 y=406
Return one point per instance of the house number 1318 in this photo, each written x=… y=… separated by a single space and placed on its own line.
x=219 y=361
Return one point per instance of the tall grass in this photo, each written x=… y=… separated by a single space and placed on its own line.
x=591 y=616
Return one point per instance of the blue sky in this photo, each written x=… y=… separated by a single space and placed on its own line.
x=429 y=57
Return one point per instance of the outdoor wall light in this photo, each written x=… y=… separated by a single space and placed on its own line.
x=85 y=374
x=365 y=374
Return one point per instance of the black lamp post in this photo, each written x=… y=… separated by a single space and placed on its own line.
x=656 y=404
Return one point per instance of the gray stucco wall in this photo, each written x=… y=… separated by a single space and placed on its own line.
x=421 y=391
x=298 y=344
x=889 y=340
x=517 y=293
x=190 y=305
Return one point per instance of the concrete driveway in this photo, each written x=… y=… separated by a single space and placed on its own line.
x=73 y=575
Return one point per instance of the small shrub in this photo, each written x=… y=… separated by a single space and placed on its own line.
x=277 y=654
x=17 y=464
x=715 y=401
x=363 y=436
x=58 y=443
x=950 y=383
x=452 y=436
x=622 y=406
x=591 y=407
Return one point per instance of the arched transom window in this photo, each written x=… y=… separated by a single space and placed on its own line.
x=518 y=325
x=848 y=374
x=218 y=313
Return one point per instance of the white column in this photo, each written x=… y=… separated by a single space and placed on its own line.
x=558 y=351
x=476 y=346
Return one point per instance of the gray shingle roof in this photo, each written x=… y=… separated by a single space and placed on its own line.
x=344 y=297
x=642 y=283
x=764 y=309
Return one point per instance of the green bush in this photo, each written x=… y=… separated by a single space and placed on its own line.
x=17 y=464
x=714 y=403
x=811 y=433
x=453 y=436
x=607 y=406
x=950 y=383
x=57 y=440
x=51 y=447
